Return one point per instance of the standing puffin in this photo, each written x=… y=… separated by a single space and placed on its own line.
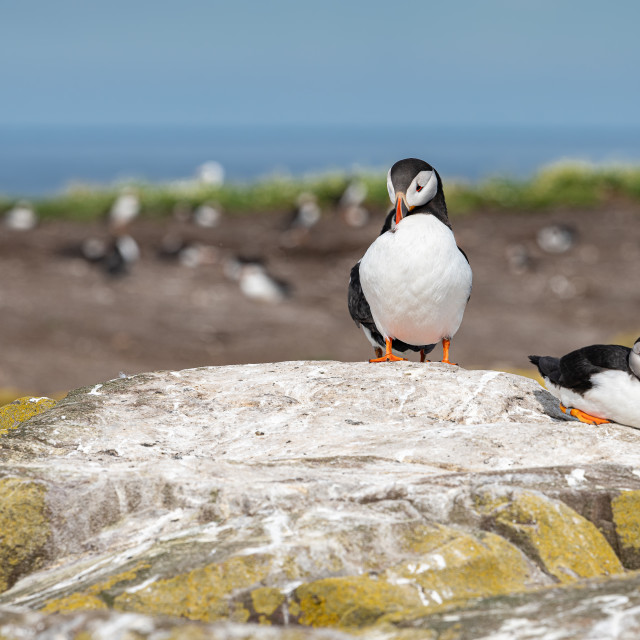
x=411 y=288
x=600 y=383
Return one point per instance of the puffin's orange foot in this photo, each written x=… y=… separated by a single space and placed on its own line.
x=423 y=356
x=584 y=417
x=445 y=352
x=387 y=357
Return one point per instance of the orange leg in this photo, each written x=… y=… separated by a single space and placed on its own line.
x=388 y=356
x=445 y=351
x=584 y=417
x=423 y=356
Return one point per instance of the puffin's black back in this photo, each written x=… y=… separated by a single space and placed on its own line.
x=575 y=370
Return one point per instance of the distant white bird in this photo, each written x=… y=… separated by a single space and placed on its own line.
x=21 y=217
x=124 y=210
x=188 y=254
x=210 y=173
x=304 y=217
x=122 y=254
x=556 y=238
x=255 y=282
x=307 y=213
x=351 y=204
x=207 y=215
x=93 y=249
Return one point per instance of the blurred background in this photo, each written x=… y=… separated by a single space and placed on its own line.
x=189 y=183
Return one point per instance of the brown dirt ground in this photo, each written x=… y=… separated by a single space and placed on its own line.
x=66 y=324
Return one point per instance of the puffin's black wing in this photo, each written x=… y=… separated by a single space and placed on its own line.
x=359 y=307
x=575 y=370
x=578 y=367
x=388 y=221
x=605 y=356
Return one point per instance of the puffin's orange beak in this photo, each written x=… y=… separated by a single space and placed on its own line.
x=401 y=207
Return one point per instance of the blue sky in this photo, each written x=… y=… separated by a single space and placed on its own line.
x=466 y=62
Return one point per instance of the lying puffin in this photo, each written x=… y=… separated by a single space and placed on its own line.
x=598 y=384
x=411 y=288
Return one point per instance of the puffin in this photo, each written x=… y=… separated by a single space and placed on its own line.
x=410 y=289
x=255 y=282
x=596 y=384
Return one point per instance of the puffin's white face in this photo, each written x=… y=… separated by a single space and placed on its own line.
x=634 y=358
x=422 y=189
x=390 y=189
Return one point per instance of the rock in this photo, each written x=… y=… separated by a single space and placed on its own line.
x=531 y=521
x=625 y=509
x=318 y=494
x=12 y=414
x=24 y=526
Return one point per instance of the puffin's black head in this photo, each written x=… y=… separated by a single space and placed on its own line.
x=415 y=187
x=634 y=358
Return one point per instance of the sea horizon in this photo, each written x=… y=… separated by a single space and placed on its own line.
x=41 y=160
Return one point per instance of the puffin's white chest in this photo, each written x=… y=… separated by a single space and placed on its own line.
x=615 y=395
x=416 y=281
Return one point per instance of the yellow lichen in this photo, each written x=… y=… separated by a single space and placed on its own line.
x=11 y=415
x=24 y=528
x=94 y=596
x=566 y=545
x=467 y=567
x=352 y=601
x=201 y=594
x=419 y=538
x=74 y=602
x=265 y=600
x=626 y=517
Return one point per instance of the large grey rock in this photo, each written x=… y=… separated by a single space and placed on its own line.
x=322 y=494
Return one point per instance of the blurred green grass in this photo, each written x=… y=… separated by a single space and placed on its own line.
x=566 y=184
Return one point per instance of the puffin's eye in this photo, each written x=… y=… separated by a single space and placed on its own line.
x=419 y=188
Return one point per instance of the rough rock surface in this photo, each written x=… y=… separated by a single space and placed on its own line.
x=427 y=500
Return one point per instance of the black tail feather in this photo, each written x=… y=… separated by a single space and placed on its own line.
x=548 y=366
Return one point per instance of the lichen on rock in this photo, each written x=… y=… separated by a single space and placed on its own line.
x=16 y=412
x=353 y=601
x=626 y=518
x=24 y=528
x=563 y=543
x=98 y=596
x=202 y=594
x=467 y=566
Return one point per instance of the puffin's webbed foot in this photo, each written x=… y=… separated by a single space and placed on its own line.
x=388 y=356
x=584 y=417
x=445 y=352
